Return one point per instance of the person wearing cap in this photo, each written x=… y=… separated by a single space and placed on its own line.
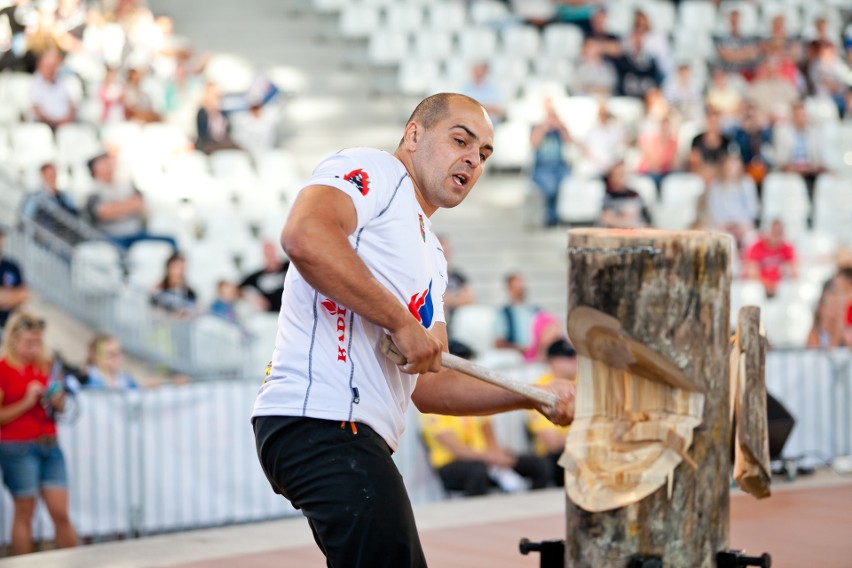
x=548 y=439
x=13 y=290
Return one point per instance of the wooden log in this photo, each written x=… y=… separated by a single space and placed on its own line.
x=751 y=449
x=670 y=292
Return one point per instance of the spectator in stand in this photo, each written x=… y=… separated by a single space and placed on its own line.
x=458 y=292
x=117 y=208
x=658 y=150
x=173 y=294
x=829 y=316
x=15 y=56
x=51 y=101
x=483 y=90
x=709 y=148
x=576 y=12
x=684 y=93
x=830 y=76
x=724 y=97
x=790 y=48
x=654 y=44
x=106 y=366
x=256 y=130
x=843 y=283
x=111 y=95
x=638 y=70
x=603 y=145
x=30 y=458
x=608 y=45
x=732 y=200
x=549 y=139
x=548 y=439
x=595 y=75
x=797 y=146
x=770 y=92
x=737 y=53
x=264 y=287
x=465 y=453
x=771 y=258
x=623 y=208
x=213 y=125
x=13 y=289
x=515 y=321
x=225 y=304
x=51 y=210
x=752 y=137
x=137 y=103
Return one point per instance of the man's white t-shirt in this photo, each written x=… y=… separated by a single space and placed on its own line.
x=327 y=363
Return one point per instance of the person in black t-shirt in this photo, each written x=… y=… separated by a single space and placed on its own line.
x=13 y=289
x=710 y=147
x=264 y=287
x=623 y=208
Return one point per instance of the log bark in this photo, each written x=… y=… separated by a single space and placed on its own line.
x=670 y=291
x=751 y=458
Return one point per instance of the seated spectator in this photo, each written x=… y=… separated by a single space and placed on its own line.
x=723 y=97
x=137 y=103
x=710 y=147
x=830 y=76
x=265 y=287
x=797 y=146
x=30 y=457
x=15 y=55
x=47 y=191
x=658 y=150
x=752 y=137
x=481 y=88
x=225 y=304
x=212 y=124
x=516 y=319
x=256 y=130
x=51 y=101
x=654 y=44
x=117 y=208
x=595 y=75
x=770 y=92
x=106 y=362
x=779 y=41
x=607 y=44
x=458 y=292
x=684 y=93
x=13 y=289
x=603 y=145
x=737 y=53
x=771 y=259
x=547 y=438
x=623 y=208
x=732 y=199
x=549 y=139
x=638 y=70
x=111 y=95
x=52 y=212
x=173 y=294
x=464 y=452
x=827 y=330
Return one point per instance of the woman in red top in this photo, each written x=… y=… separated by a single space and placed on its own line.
x=30 y=458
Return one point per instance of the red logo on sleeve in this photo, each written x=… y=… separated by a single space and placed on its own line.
x=359 y=179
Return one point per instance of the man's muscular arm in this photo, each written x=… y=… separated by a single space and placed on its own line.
x=315 y=239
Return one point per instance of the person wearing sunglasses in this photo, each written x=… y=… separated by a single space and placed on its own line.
x=30 y=458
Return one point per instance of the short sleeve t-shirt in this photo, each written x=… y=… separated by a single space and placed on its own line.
x=466 y=429
x=771 y=260
x=326 y=363
x=32 y=423
x=10 y=277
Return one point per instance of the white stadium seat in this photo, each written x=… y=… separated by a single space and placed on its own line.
x=580 y=200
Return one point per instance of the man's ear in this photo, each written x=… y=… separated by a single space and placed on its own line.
x=411 y=135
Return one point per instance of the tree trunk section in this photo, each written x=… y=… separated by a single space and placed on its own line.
x=670 y=291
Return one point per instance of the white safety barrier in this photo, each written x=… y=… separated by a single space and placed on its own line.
x=183 y=457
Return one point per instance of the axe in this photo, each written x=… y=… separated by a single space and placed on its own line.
x=464 y=366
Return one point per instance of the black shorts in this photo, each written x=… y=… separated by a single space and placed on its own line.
x=347 y=486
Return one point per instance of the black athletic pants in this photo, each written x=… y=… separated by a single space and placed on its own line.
x=347 y=486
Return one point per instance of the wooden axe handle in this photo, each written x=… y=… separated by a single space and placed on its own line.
x=478 y=372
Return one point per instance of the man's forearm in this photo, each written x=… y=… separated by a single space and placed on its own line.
x=11 y=298
x=455 y=394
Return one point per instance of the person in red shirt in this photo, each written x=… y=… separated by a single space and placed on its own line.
x=771 y=258
x=30 y=457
